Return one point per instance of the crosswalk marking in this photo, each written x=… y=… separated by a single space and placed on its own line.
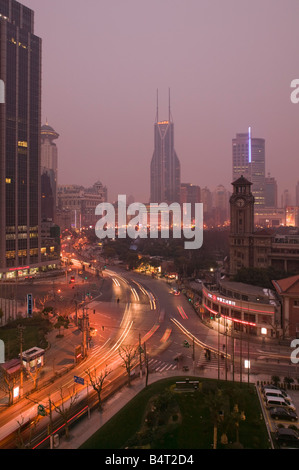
x=160 y=366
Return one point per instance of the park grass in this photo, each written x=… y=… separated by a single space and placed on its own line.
x=193 y=426
x=34 y=334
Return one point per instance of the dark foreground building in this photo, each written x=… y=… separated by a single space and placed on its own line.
x=20 y=125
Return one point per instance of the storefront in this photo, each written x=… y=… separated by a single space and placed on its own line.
x=246 y=309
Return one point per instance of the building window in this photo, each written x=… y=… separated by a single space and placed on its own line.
x=236 y=314
x=296 y=303
x=249 y=317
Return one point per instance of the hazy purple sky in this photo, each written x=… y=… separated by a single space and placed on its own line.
x=229 y=65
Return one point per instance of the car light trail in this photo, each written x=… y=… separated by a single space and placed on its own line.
x=166 y=335
x=196 y=340
x=182 y=312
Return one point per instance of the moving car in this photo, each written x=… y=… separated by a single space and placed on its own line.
x=283 y=413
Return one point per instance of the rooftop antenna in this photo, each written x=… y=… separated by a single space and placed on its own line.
x=157 y=115
x=170 y=115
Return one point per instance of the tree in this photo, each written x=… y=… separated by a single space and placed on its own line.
x=42 y=301
x=128 y=355
x=62 y=322
x=237 y=416
x=288 y=381
x=215 y=402
x=97 y=382
x=8 y=384
x=34 y=375
x=275 y=379
x=20 y=443
x=65 y=408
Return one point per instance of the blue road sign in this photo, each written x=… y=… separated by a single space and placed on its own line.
x=29 y=304
x=78 y=380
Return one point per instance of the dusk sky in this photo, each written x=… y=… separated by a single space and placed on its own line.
x=229 y=65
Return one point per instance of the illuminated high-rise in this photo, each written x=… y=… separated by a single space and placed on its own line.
x=20 y=117
x=165 y=165
x=249 y=161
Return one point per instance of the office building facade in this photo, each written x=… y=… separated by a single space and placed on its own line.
x=20 y=117
x=249 y=161
x=49 y=172
x=165 y=165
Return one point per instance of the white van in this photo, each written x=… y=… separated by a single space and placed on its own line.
x=268 y=392
x=273 y=402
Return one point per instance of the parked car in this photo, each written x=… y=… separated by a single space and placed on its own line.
x=269 y=386
x=274 y=402
x=276 y=393
x=286 y=437
x=283 y=413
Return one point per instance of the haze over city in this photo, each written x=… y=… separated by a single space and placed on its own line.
x=228 y=65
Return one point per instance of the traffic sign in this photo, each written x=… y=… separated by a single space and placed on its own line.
x=78 y=380
x=29 y=304
x=41 y=410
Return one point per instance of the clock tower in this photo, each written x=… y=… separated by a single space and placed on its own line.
x=242 y=225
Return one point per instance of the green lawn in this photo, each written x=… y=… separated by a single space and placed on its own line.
x=161 y=418
x=33 y=335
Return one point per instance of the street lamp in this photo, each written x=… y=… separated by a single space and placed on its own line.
x=247 y=366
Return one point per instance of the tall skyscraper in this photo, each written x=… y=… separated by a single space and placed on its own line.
x=286 y=199
x=270 y=192
x=165 y=165
x=220 y=204
x=249 y=161
x=49 y=171
x=20 y=118
x=190 y=194
x=297 y=194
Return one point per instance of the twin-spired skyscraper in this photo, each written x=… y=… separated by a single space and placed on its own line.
x=165 y=165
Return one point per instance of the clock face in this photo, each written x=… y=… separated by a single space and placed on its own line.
x=240 y=202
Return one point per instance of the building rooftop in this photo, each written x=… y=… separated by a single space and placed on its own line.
x=289 y=285
x=241 y=181
x=47 y=130
x=240 y=290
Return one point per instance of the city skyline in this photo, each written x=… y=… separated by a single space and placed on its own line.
x=223 y=80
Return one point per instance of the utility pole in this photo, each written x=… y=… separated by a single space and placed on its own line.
x=50 y=426
x=140 y=356
x=146 y=364
x=233 y=352
x=193 y=355
x=226 y=348
x=20 y=333
x=241 y=354
x=218 y=349
x=85 y=331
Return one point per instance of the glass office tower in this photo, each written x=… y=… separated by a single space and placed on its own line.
x=249 y=161
x=165 y=165
x=20 y=121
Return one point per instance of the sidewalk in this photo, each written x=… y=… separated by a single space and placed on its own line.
x=59 y=358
